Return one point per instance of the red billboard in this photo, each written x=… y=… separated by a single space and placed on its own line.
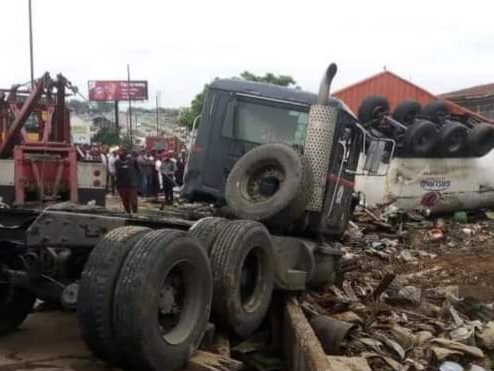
x=104 y=91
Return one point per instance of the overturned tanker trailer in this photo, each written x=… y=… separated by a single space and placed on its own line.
x=145 y=288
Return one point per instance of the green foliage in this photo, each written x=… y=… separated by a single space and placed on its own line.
x=106 y=136
x=188 y=115
x=270 y=78
x=78 y=106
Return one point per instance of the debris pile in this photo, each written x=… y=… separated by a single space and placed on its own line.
x=416 y=294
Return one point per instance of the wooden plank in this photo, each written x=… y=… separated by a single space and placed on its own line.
x=302 y=349
x=205 y=361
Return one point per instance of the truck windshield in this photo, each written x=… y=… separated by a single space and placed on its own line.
x=259 y=123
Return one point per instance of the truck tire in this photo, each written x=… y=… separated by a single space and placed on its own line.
x=242 y=261
x=15 y=305
x=163 y=300
x=436 y=111
x=406 y=112
x=95 y=296
x=480 y=140
x=452 y=139
x=421 y=138
x=373 y=108
x=270 y=183
x=206 y=230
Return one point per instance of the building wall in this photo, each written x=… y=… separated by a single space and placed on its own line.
x=483 y=106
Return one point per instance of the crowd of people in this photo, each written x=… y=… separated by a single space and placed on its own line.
x=142 y=173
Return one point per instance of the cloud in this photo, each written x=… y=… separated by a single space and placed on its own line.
x=180 y=45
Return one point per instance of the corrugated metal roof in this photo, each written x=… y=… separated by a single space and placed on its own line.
x=471 y=92
x=395 y=89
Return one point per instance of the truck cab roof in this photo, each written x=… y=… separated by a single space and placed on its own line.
x=265 y=90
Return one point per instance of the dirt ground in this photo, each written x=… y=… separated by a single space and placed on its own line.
x=47 y=341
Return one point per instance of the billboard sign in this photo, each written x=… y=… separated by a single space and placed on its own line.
x=107 y=91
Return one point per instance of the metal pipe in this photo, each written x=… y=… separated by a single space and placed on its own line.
x=31 y=42
x=325 y=86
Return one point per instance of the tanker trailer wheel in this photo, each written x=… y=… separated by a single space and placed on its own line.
x=163 y=300
x=15 y=302
x=452 y=139
x=96 y=288
x=421 y=138
x=270 y=183
x=242 y=260
x=480 y=139
x=436 y=111
x=373 y=108
x=406 y=112
x=206 y=230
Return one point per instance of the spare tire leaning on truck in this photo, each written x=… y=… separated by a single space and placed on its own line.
x=271 y=183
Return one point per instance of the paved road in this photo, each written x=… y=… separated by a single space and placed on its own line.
x=47 y=341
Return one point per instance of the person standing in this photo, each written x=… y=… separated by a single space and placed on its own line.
x=168 y=168
x=111 y=168
x=127 y=172
x=142 y=162
x=105 y=161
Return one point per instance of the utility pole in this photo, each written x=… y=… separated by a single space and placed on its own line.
x=130 y=103
x=158 y=96
x=31 y=42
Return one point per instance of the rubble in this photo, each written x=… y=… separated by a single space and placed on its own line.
x=419 y=300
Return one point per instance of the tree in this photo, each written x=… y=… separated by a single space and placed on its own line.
x=106 y=136
x=188 y=115
x=78 y=106
x=270 y=78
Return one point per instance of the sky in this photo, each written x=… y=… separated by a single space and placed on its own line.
x=180 y=45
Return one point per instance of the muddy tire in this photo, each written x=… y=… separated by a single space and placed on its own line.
x=95 y=297
x=15 y=305
x=163 y=300
x=373 y=108
x=421 y=138
x=206 y=230
x=480 y=140
x=406 y=112
x=242 y=261
x=271 y=183
x=436 y=111
x=452 y=139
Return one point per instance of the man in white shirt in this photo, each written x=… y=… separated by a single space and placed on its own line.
x=111 y=167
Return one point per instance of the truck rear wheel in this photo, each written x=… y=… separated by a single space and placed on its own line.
x=15 y=305
x=206 y=230
x=436 y=111
x=163 y=300
x=480 y=139
x=270 y=183
x=421 y=138
x=452 y=139
x=406 y=112
x=373 y=108
x=95 y=297
x=242 y=261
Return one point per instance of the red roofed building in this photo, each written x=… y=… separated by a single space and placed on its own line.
x=395 y=89
x=479 y=99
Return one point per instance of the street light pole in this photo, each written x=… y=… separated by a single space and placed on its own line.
x=130 y=103
x=31 y=42
x=158 y=96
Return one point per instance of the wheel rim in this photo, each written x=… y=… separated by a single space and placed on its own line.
x=176 y=312
x=262 y=183
x=250 y=287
